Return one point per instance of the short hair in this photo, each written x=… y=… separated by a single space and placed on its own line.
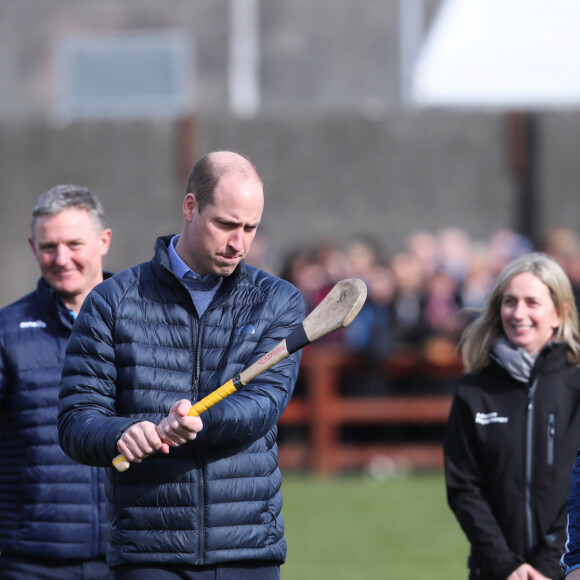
x=479 y=337
x=206 y=173
x=62 y=197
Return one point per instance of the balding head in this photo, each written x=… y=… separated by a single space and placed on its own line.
x=207 y=172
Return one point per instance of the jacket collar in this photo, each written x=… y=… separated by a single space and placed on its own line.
x=52 y=302
x=162 y=263
x=552 y=358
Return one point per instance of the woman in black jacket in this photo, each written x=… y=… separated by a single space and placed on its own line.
x=514 y=427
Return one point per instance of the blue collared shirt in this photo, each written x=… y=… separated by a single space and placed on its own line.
x=202 y=290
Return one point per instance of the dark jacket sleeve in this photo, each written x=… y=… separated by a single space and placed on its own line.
x=548 y=553
x=87 y=423
x=466 y=496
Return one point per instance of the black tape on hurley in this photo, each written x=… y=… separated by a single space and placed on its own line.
x=297 y=339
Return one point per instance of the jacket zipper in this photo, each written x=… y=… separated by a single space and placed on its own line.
x=194 y=397
x=551 y=436
x=529 y=470
x=195 y=380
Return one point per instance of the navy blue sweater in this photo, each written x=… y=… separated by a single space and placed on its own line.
x=137 y=347
x=51 y=508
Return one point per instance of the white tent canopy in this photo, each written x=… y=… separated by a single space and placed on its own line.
x=501 y=55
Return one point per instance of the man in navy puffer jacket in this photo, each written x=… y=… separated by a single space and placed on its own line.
x=155 y=338
x=52 y=510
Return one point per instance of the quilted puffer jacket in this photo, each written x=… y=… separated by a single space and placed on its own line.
x=137 y=347
x=51 y=508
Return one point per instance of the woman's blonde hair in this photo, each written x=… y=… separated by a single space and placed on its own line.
x=480 y=336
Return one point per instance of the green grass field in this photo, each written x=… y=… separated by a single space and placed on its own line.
x=359 y=528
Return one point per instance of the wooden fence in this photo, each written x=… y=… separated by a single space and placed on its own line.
x=321 y=410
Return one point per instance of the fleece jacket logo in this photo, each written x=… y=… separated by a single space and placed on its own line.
x=487 y=418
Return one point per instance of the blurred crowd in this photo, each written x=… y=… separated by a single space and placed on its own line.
x=421 y=296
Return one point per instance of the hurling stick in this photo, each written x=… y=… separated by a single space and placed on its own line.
x=337 y=310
